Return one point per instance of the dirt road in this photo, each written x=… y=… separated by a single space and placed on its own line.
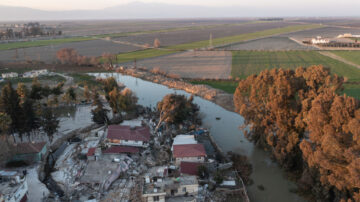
x=333 y=56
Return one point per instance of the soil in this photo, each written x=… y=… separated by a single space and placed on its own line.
x=193 y=64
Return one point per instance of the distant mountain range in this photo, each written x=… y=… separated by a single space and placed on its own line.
x=138 y=10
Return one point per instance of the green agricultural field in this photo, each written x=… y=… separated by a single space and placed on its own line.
x=352 y=90
x=27 y=44
x=244 y=37
x=352 y=56
x=245 y=63
x=148 y=53
x=228 y=86
x=142 y=54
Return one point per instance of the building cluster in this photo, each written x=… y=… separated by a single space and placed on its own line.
x=342 y=41
x=13 y=186
x=133 y=162
x=30 y=74
x=32 y=29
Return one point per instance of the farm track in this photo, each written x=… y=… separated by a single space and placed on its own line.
x=335 y=57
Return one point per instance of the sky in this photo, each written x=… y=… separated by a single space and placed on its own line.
x=99 y=4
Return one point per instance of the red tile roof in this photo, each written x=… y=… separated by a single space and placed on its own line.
x=29 y=148
x=189 y=150
x=91 y=151
x=190 y=168
x=118 y=132
x=121 y=149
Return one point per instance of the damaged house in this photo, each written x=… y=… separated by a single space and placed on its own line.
x=128 y=135
x=189 y=153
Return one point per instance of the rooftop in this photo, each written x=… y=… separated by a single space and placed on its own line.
x=29 y=148
x=189 y=150
x=190 y=168
x=118 y=132
x=121 y=149
x=91 y=151
x=184 y=139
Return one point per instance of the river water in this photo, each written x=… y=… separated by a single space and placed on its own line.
x=227 y=135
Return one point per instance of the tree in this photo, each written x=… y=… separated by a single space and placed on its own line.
x=310 y=129
x=122 y=101
x=87 y=93
x=22 y=91
x=70 y=95
x=10 y=104
x=109 y=59
x=157 y=43
x=99 y=114
x=109 y=85
x=49 y=122
x=36 y=90
x=176 y=108
x=5 y=122
x=31 y=120
x=67 y=56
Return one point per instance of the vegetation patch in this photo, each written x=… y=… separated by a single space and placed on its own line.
x=243 y=37
x=352 y=56
x=228 y=86
x=27 y=44
x=245 y=63
x=142 y=54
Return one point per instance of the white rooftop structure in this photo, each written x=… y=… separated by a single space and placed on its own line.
x=132 y=123
x=184 y=139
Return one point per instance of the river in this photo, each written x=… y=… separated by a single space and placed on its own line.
x=227 y=135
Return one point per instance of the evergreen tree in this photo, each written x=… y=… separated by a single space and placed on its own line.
x=36 y=90
x=31 y=120
x=10 y=104
x=99 y=114
x=49 y=122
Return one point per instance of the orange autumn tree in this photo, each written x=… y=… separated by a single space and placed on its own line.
x=281 y=109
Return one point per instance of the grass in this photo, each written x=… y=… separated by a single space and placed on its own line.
x=84 y=79
x=42 y=79
x=228 y=86
x=352 y=90
x=27 y=44
x=245 y=63
x=352 y=56
x=142 y=54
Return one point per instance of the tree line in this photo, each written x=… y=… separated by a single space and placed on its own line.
x=310 y=129
x=25 y=111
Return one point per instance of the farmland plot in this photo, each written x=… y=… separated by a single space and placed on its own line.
x=193 y=64
x=48 y=53
x=246 y=63
x=270 y=43
x=329 y=32
x=188 y=36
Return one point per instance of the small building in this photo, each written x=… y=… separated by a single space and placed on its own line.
x=128 y=136
x=35 y=73
x=181 y=186
x=152 y=193
x=30 y=152
x=319 y=40
x=13 y=186
x=9 y=75
x=189 y=153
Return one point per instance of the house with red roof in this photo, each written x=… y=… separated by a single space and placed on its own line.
x=138 y=136
x=189 y=168
x=189 y=153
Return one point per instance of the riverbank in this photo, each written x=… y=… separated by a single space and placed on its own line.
x=216 y=96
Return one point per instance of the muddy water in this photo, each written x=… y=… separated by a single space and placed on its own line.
x=227 y=135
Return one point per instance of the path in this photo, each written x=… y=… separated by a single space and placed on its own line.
x=336 y=57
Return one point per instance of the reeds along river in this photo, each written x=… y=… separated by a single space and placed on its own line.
x=226 y=134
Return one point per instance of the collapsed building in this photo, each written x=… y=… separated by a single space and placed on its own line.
x=13 y=186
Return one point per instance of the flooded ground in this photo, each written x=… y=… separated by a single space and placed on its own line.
x=227 y=135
